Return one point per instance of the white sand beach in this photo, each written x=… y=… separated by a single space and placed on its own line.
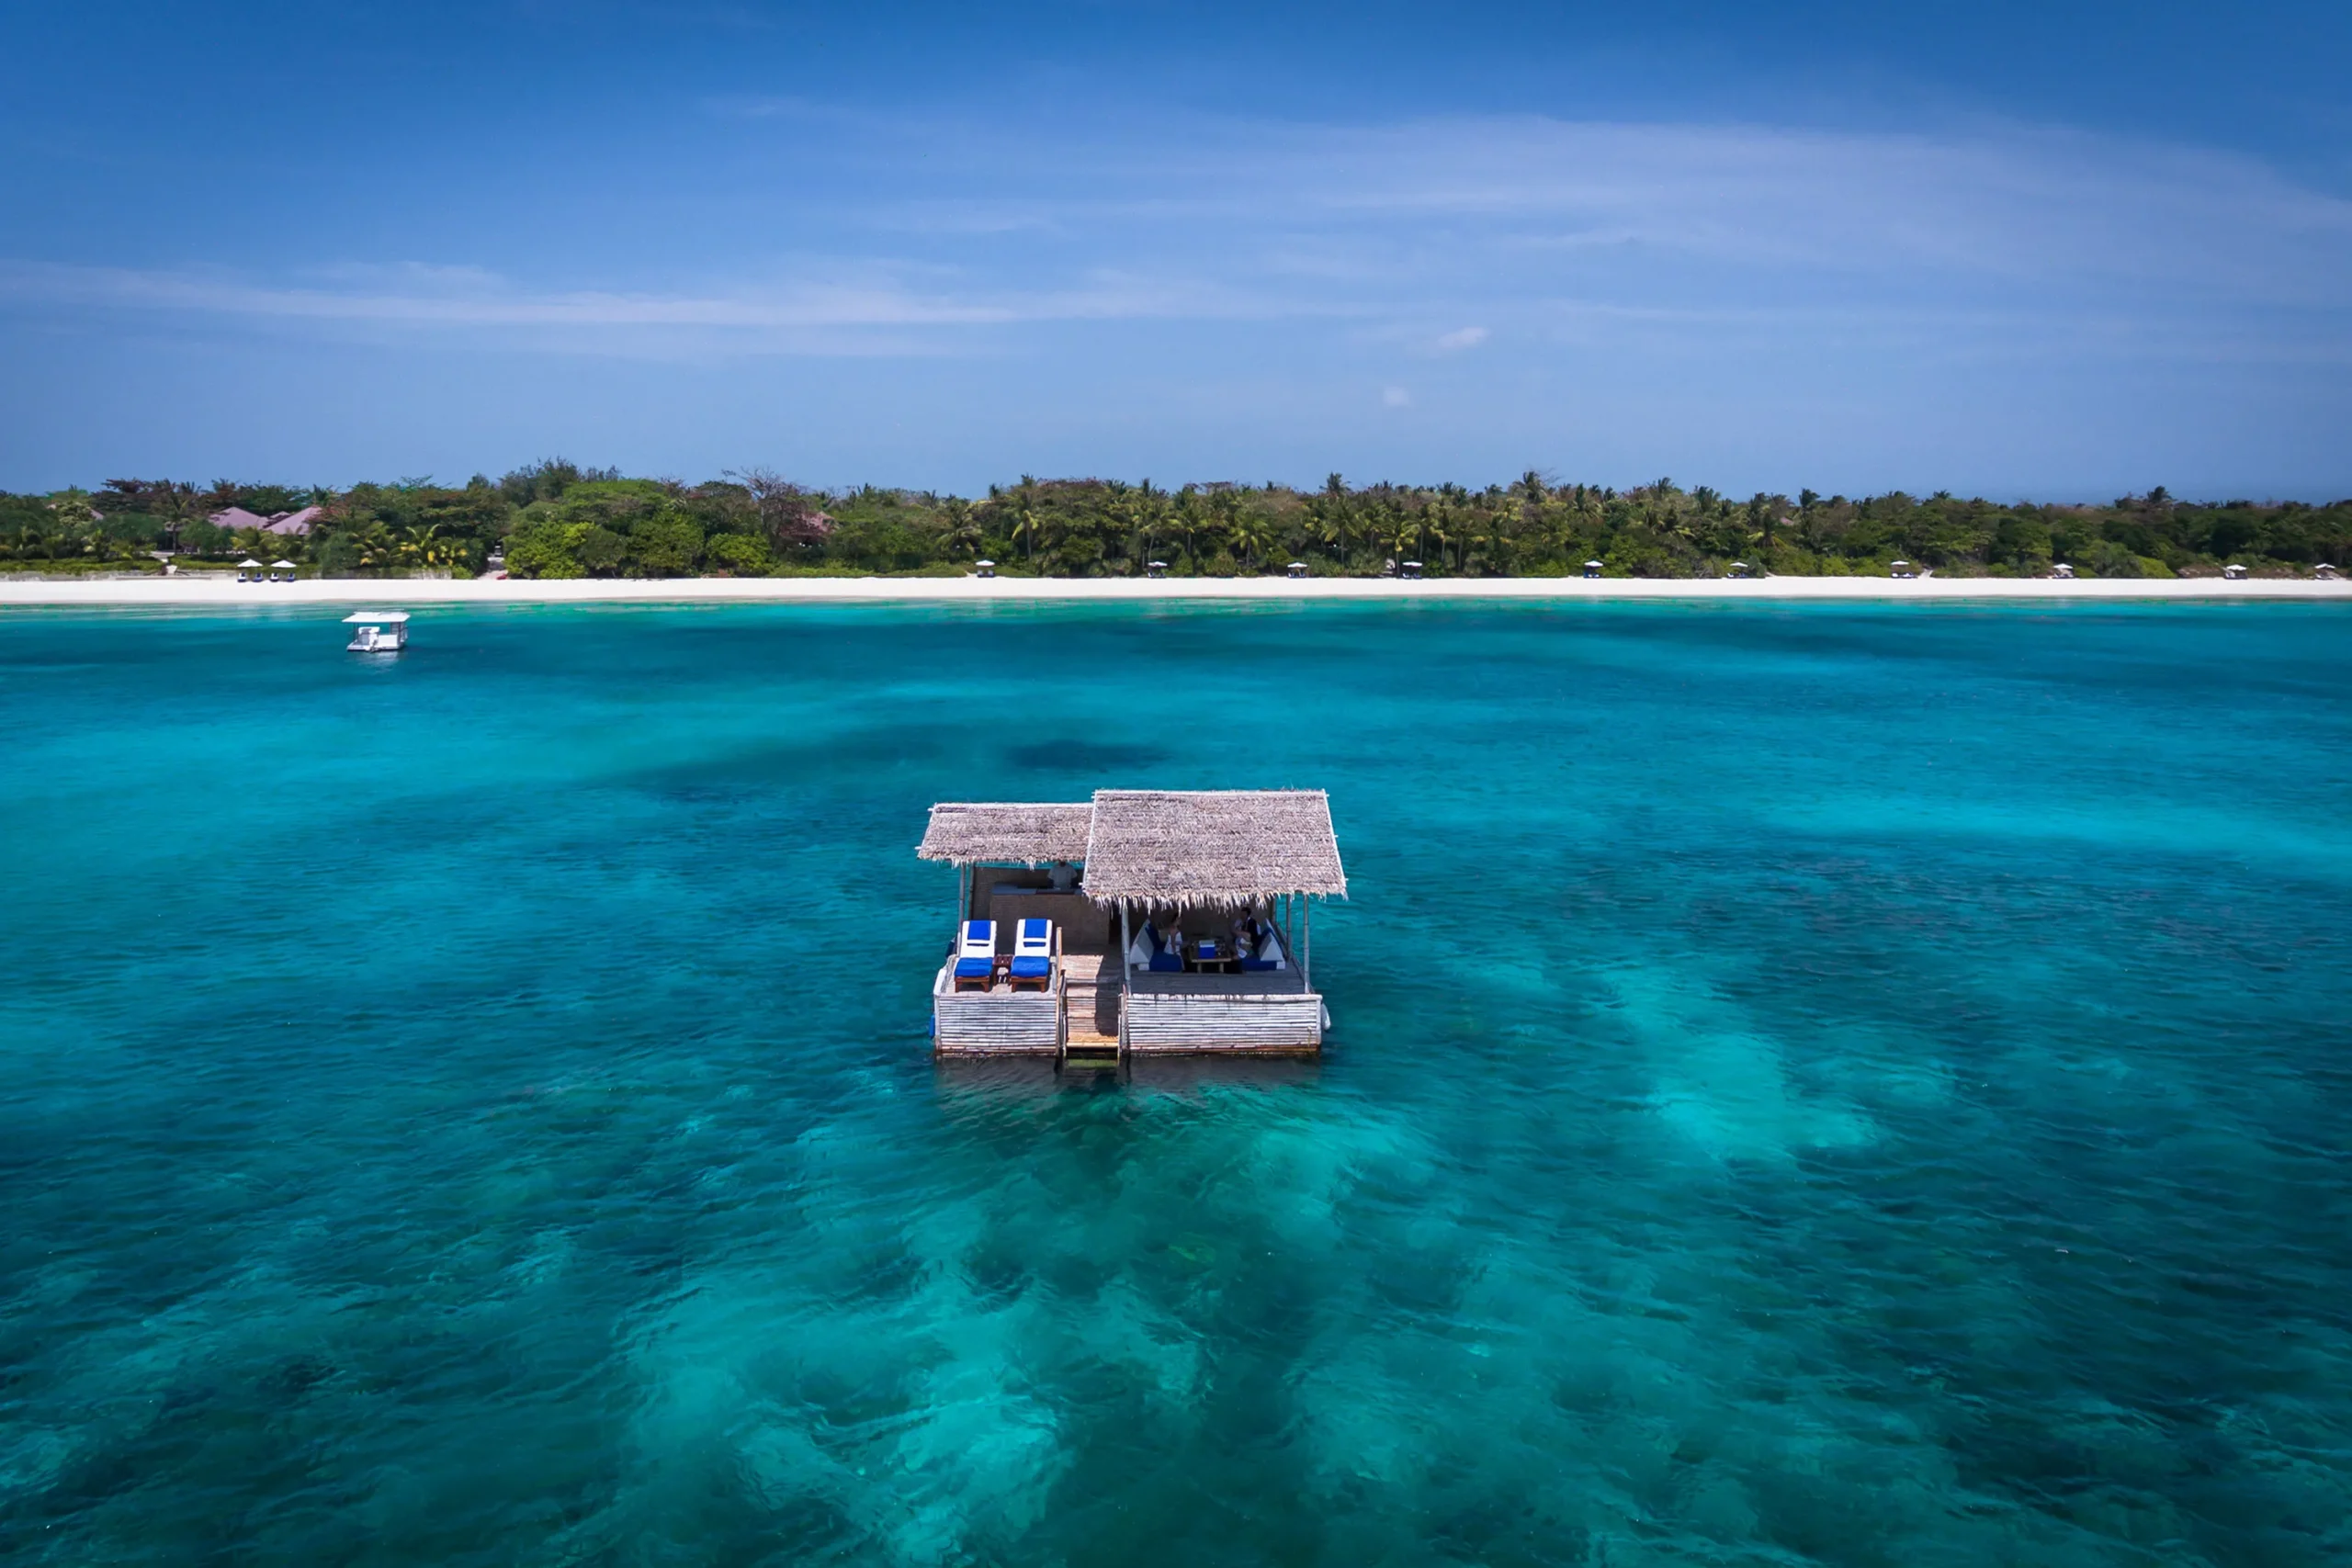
x=221 y=593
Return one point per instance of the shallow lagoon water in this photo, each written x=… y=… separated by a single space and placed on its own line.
x=1810 y=1085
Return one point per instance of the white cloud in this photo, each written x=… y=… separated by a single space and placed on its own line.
x=1993 y=243
x=1395 y=397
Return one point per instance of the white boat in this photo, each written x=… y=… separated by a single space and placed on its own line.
x=380 y=631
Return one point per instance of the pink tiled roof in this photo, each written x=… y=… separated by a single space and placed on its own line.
x=294 y=522
x=237 y=517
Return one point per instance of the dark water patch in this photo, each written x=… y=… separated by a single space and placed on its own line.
x=1091 y=759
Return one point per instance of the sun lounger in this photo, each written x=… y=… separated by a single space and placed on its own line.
x=975 y=956
x=1032 y=953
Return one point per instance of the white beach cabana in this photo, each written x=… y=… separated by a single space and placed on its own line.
x=251 y=570
x=2325 y=572
x=378 y=631
x=1592 y=569
x=2234 y=572
x=282 y=571
x=2062 y=570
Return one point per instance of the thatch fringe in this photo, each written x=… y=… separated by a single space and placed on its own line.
x=1212 y=847
x=991 y=834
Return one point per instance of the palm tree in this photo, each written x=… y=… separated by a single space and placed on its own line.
x=1024 y=530
x=1328 y=525
x=1188 y=524
x=1403 y=531
x=371 y=544
x=1439 y=523
x=1335 y=517
x=431 y=545
x=1248 y=534
x=962 y=531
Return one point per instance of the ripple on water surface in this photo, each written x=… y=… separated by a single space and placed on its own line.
x=1833 y=1084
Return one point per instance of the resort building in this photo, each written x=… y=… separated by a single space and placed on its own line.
x=1145 y=922
x=237 y=519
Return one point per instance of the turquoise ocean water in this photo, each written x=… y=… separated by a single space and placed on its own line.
x=1809 y=1086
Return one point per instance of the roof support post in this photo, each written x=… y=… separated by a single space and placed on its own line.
x=1307 y=942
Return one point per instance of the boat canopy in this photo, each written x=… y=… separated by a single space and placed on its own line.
x=376 y=618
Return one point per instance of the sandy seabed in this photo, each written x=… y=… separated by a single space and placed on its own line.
x=218 y=592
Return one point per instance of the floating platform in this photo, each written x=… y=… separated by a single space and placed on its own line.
x=1179 y=925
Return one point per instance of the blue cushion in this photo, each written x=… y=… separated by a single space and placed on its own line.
x=1032 y=968
x=971 y=968
x=1254 y=964
x=1167 y=962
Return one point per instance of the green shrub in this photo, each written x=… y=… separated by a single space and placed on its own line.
x=738 y=553
x=666 y=544
x=543 y=550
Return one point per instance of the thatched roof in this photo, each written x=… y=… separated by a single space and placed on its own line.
x=1015 y=835
x=1212 y=846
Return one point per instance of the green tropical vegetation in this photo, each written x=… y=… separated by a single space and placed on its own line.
x=555 y=519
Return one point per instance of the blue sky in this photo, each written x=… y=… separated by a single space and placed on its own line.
x=2058 y=249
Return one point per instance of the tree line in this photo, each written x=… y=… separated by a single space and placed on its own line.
x=555 y=519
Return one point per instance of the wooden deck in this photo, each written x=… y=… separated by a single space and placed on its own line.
x=1263 y=982
x=1265 y=1013
x=994 y=1022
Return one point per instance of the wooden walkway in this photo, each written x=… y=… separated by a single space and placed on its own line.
x=1093 y=979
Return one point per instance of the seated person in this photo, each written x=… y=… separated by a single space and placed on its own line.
x=1160 y=955
x=1265 y=953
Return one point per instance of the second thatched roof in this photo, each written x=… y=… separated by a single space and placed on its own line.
x=1005 y=834
x=1219 y=846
